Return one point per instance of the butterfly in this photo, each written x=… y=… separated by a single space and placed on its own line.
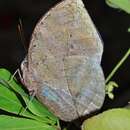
x=62 y=66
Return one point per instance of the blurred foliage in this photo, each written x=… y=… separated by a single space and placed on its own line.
x=114 y=119
x=120 y=4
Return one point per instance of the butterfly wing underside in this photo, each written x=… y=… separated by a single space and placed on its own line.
x=64 y=61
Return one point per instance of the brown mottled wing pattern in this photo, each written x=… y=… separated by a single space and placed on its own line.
x=64 y=61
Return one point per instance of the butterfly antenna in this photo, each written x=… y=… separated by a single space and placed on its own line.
x=21 y=34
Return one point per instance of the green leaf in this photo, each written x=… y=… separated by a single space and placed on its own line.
x=129 y=29
x=14 y=123
x=7 y=77
x=114 y=84
x=121 y=4
x=4 y=74
x=34 y=105
x=9 y=100
x=10 y=103
x=111 y=4
x=110 y=87
x=39 y=110
x=114 y=119
x=111 y=95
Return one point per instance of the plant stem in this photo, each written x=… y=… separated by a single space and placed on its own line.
x=118 y=65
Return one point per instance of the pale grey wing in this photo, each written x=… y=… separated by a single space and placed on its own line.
x=86 y=83
x=66 y=30
x=53 y=89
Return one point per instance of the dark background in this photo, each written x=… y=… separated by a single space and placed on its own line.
x=112 y=25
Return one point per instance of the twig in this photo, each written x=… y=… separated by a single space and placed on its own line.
x=118 y=65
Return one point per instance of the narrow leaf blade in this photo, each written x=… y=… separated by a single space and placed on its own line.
x=9 y=101
x=14 y=123
x=34 y=106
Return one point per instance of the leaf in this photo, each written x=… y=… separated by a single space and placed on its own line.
x=114 y=119
x=110 y=87
x=121 y=4
x=111 y=95
x=7 y=77
x=129 y=29
x=114 y=84
x=14 y=123
x=34 y=106
x=9 y=101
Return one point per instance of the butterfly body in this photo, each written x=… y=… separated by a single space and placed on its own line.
x=63 y=62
